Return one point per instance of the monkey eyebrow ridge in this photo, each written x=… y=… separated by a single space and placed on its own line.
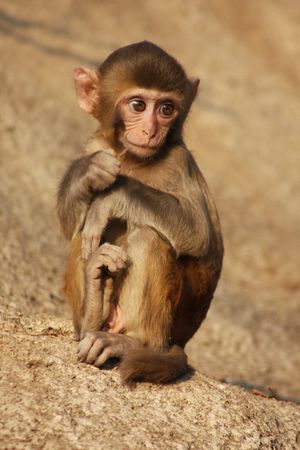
x=146 y=95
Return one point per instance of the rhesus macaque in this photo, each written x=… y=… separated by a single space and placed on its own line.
x=146 y=245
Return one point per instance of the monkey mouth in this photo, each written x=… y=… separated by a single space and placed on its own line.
x=141 y=148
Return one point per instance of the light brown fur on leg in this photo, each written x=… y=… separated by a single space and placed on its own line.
x=151 y=289
x=162 y=304
x=90 y=299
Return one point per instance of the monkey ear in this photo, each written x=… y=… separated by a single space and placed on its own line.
x=194 y=81
x=87 y=83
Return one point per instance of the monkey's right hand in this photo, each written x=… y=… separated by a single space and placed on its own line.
x=102 y=169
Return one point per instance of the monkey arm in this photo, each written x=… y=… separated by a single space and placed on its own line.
x=72 y=199
x=86 y=176
x=175 y=217
x=171 y=214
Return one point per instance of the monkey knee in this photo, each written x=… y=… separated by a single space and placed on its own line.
x=143 y=240
x=142 y=234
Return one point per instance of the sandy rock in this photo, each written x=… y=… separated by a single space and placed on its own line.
x=56 y=402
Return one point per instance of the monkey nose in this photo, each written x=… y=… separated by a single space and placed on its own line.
x=146 y=132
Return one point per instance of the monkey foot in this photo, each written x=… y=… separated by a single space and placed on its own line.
x=98 y=347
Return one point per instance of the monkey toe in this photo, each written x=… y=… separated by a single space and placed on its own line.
x=84 y=346
x=95 y=351
x=112 y=351
x=97 y=348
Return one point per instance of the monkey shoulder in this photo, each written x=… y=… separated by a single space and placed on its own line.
x=184 y=161
x=187 y=169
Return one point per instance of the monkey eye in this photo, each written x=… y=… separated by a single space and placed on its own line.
x=166 y=109
x=137 y=105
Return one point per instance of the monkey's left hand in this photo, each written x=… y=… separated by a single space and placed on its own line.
x=99 y=346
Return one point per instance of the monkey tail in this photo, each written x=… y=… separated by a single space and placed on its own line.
x=153 y=366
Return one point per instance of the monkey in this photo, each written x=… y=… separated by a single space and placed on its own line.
x=146 y=242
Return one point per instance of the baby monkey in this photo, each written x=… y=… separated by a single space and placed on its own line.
x=146 y=244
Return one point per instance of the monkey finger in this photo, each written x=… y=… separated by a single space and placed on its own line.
x=112 y=266
x=84 y=346
x=112 y=171
x=122 y=253
x=111 y=159
x=101 y=172
x=110 y=156
x=115 y=251
x=95 y=351
x=106 y=162
x=98 y=170
x=113 y=351
x=121 y=264
x=106 y=176
x=100 y=179
x=114 y=257
x=97 y=261
x=117 y=261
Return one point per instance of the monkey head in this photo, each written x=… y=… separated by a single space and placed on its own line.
x=141 y=96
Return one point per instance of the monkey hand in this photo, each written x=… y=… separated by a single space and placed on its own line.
x=99 y=346
x=112 y=257
x=102 y=170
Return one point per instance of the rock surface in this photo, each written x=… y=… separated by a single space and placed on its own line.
x=244 y=132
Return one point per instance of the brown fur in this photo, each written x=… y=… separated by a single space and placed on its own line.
x=74 y=284
x=161 y=212
x=144 y=65
x=144 y=365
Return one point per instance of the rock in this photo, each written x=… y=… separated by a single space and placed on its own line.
x=54 y=402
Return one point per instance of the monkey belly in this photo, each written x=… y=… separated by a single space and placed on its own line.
x=114 y=323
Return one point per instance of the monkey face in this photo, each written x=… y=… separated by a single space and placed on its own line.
x=140 y=95
x=147 y=116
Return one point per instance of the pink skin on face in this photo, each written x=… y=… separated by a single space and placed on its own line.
x=147 y=116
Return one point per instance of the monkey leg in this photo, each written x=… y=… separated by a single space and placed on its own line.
x=151 y=290
x=200 y=280
x=98 y=287
x=89 y=290
x=147 y=299
x=74 y=284
x=162 y=302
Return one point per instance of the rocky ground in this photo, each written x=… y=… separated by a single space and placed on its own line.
x=244 y=132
